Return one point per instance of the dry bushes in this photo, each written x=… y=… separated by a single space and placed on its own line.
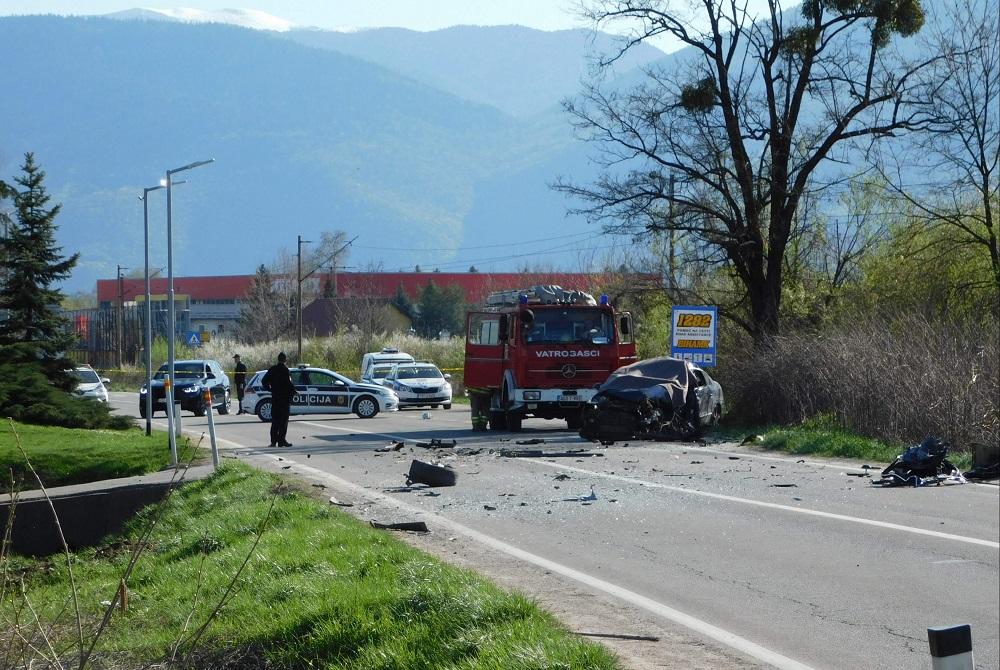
x=899 y=380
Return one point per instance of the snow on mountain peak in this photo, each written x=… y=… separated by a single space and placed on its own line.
x=246 y=18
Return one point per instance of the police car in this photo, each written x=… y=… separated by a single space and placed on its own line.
x=419 y=384
x=321 y=391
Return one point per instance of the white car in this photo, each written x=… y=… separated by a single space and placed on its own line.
x=89 y=383
x=321 y=391
x=419 y=384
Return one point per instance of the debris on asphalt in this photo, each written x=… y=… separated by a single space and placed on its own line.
x=538 y=453
x=697 y=462
x=561 y=477
x=334 y=501
x=431 y=494
x=734 y=458
x=318 y=486
x=534 y=440
x=921 y=465
x=469 y=451
x=436 y=443
x=414 y=526
x=425 y=415
x=623 y=636
x=430 y=474
x=784 y=486
x=489 y=508
x=858 y=474
x=592 y=496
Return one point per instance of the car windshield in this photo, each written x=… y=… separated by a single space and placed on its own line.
x=563 y=326
x=85 y=376
x=380 y=371
x=182 y=371
x=412 y=372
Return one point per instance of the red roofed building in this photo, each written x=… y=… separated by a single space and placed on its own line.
x=213 y=304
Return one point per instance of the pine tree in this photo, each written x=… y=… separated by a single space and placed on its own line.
x=32 y=331
x=264 y=315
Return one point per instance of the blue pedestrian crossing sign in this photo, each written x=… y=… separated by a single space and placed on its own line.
x=192 y=338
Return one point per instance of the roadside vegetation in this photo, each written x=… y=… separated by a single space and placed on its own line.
x=241 y=570
x=64 y=456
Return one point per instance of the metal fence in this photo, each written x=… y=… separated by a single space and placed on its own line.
x=112 y=337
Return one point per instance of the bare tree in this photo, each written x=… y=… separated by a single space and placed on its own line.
x=721 y=150
x=961 y=160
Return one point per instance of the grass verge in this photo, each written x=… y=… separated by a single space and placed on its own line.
x=319 y=590
x=824 y=437
x=63 y=456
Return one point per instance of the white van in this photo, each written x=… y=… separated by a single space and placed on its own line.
x=387 y=355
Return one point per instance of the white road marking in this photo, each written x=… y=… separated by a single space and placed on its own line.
x=731 y=640
x=761 y=503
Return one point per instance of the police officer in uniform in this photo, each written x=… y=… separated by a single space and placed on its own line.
x=240 y=377
x=278 y=380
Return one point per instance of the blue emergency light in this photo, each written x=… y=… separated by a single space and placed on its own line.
x=604 y=298
x=522 y=299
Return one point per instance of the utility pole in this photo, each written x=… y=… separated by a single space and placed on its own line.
x=121 y=316
x=298 y=300
x=670 y=227
x=302 y=277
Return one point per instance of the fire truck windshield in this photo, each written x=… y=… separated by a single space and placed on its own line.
x=570 y=325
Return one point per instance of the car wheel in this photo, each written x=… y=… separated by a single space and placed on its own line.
x=434 y=406
x=263 y=410
x=200 y=411
x=142 y=409
x=447 y=405
x=366 y=407
x=227 y=403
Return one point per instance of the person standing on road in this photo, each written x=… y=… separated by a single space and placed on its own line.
x=278 y=380
x=240 y=377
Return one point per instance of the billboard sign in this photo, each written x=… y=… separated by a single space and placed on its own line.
x=694 y=334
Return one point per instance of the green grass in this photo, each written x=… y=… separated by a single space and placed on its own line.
x=822 y=436
x=63 y=456
x=321 y=590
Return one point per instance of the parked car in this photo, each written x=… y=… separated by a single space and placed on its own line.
x=191 y=378
x=387 y=356
x=419 y=385
x=657 y=399
x=321 y=391
x=89 y=383
x=378 y=372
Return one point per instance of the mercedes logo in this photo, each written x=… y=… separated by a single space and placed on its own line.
x=569 y=371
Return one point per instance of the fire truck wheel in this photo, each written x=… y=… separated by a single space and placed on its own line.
x=498 y=421
x=514 y=421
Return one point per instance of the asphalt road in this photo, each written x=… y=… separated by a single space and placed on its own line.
x=750 y=558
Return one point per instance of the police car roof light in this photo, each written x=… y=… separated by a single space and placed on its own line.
x=390 y=350
x=604 y=298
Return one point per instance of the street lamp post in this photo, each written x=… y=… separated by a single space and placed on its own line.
x=169 y=392
x=148 y=335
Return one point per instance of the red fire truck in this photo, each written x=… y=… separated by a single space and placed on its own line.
x=541 y=352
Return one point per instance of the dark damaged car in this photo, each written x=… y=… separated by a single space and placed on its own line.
x=657 y=399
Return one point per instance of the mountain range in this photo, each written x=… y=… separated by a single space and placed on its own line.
x=433 y=149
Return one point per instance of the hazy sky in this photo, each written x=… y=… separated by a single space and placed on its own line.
x=415 y=14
